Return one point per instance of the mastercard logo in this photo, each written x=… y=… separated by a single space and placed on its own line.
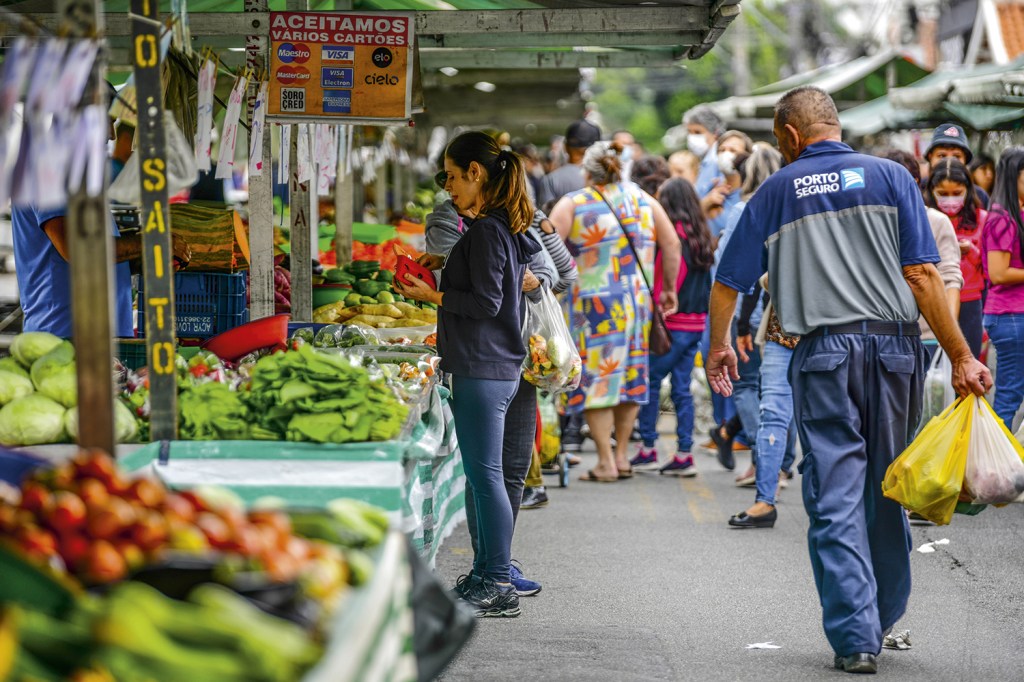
x=292 y=74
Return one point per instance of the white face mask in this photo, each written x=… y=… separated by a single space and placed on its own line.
x=698 y=144
x=727 y=163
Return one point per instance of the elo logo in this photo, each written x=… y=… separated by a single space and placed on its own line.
x=288 y=53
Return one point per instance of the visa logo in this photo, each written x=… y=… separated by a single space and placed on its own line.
x=338 y=53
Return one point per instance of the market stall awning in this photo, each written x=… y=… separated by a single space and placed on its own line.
x=849 y=83
x=986 y=97
x=543 y=34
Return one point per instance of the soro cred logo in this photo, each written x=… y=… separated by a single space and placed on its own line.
x=382 y=58
x=288 y=53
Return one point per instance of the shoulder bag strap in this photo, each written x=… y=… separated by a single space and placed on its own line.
x=629 y=240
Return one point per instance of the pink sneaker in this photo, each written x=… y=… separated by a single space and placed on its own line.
x=645 y=460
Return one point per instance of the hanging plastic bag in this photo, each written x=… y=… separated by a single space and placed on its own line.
x=995 y=460
x=938 y=387
x=181 y=171
x=928 y=476
x=552 y=362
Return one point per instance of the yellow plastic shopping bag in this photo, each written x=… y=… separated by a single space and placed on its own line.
x=928 y=476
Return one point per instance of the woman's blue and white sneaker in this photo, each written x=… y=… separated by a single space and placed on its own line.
x=645 y=460
x=491 y=600
x=524 y=587
x=681 y=465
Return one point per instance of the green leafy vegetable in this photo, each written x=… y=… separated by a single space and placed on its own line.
x=54 y=374
x=32 y=420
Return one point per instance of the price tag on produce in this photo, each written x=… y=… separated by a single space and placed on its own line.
x=353 y=66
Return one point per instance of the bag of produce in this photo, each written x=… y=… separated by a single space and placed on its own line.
x=995 y=460
x=938 y=387
x=928 y=476
x=552 y=361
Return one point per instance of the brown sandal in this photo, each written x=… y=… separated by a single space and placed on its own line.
x=592 y=477
x=625 y=473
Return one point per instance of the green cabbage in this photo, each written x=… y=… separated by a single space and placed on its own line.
x=13 y=386
x=32 y=420
x=126 y=428
x=13 y=366
x=54 y=375
x=30 y=346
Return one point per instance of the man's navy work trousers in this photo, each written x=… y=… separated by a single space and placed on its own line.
x=857 y=399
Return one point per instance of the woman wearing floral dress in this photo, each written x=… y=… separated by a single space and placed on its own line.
x=610 y=307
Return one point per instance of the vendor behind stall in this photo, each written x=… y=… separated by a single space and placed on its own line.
x=44 y=275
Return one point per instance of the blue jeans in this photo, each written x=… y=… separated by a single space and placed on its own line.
x=722 y=407
x=679 y=362
x=775 y=427
x=1007 y=334
x=516 y=454
x=479 y=407
x=746 y=397
x=971 y=325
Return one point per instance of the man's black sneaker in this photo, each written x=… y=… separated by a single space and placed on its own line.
x=491 y=600
x=534 y=498
x=860 y=664
x=463 y=584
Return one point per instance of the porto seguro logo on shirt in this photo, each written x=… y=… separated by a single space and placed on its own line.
x=827 y=183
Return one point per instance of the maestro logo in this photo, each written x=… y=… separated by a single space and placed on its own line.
x=292 y=74
x=293 y=52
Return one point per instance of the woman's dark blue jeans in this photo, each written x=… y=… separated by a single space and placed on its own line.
x=1007 y=334
x=516 y=454
x=479 y=407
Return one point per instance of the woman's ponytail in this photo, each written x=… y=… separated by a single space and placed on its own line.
x=506 y=176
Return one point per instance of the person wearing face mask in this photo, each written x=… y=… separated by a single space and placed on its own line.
x=950 y=141
x=704 y=127
x=851 y=259
x=951 y=191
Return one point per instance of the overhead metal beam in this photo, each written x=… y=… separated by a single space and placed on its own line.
x=573 y=22
x=722 y=15
x=665 y=36
x=436 y=58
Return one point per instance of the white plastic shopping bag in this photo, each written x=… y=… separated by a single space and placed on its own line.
x=995 y=460
x=938 y=387
x=552 y=361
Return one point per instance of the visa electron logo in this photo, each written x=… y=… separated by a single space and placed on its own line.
x=288 y=53
x=827 y=183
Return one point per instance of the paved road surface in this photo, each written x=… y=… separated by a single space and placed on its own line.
x=643 y=580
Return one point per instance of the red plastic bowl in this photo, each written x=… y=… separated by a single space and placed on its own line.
x=240 y=341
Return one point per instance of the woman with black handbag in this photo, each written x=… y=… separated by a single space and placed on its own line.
x=611 y=228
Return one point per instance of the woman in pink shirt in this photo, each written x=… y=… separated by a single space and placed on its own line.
x=686 y=326
x=951 y=191
x=1002 y=245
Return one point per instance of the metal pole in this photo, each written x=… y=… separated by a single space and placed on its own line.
x=261 y=192
x=91 y=248
x=157 y=254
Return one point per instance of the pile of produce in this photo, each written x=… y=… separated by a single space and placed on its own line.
x=181 y=585
x=373 y=301
x=333 y=336
x=39 y=394
x=303 y=395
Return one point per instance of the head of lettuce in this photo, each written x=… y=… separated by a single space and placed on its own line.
x=32 y=420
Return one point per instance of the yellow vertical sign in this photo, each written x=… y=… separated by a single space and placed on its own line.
x=341 y=65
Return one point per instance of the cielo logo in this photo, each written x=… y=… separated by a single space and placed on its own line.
x=288 y=53
x=853 y=178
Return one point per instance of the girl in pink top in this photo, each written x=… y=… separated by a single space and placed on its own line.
x=1002 y=244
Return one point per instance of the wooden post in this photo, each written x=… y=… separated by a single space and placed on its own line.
x=381 y=198
x=261 y=193
x=302 y=268
x=91 y=248
x=343 y=205
x=157 y=254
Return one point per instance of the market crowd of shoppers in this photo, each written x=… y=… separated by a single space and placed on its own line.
x=812 y=281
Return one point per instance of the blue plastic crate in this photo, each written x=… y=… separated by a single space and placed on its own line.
x=205 y=303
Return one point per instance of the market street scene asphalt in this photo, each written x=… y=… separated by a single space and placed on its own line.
x=643 y=580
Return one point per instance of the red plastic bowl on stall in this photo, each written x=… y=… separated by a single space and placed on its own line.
x=269 y=332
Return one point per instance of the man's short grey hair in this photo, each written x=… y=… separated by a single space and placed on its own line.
x=805 y=107
x=704 y=115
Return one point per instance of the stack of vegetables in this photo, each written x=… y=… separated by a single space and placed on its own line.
x=373 y=301
x=251 y=591
x=39 y=394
